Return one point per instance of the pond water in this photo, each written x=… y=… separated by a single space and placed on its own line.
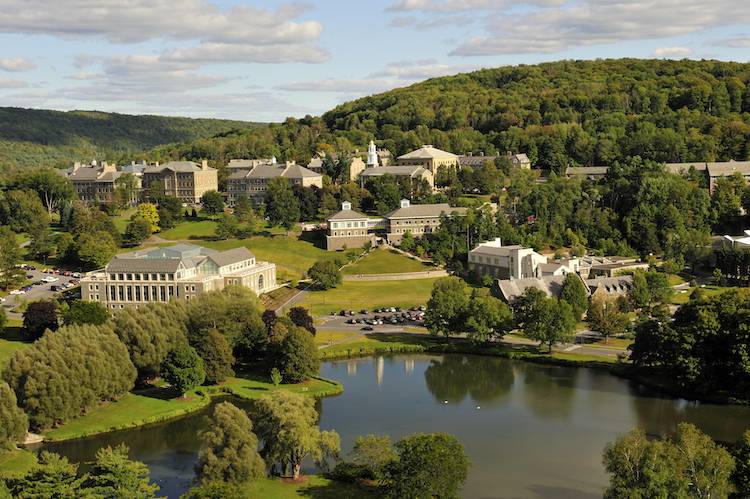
x=529 y=430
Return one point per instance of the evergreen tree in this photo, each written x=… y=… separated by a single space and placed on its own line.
x=114 y=476
x=53 y=477
x=574 y=292
x=230 y=448
x=298 y=359
x=183 y=369
x=217 y=357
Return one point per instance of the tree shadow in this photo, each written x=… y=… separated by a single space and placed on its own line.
x=338 y=490
x=14 y=333
x=315 y=237
x=158 y=392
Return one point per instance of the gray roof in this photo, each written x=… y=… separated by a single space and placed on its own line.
x=471 y=160
x=347 y=215
x=728 y=168
x=585 y=171
x=175 y=166
x=424 y=210
x=231 y=256
x=489 y=249
x=272 y=171
x=396 y=171
x=617 y=284
x=427 y=152
x=520 y=158
x=511 y=289
x=156 y=265
x=684 y=167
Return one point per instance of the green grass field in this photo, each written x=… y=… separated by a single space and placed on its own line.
x=312 y=486
x=385 y=262
x=10 y=342
x=292 y=256
x=16 y=462
x=708 y=290
x=158 y=404
x=190 y=229
x=356 y=295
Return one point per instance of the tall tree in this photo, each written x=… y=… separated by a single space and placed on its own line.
x=324 y=274
x=446 y=306
x=183 y=369
x=10 y=257
x=230 y=448
x=301 y=317
x=217 y=356
x=552 y=322
x=149 y=213
x=39 y=317
x=574 y=292
x=53 y=189
x=282 y=205
x=297 y=357
x=53 y=476
x=606 y=317
x=86 y=312
x=115 y=476
x=213 y=202
x=13 y=422
x=286 y=424
x=487 y=317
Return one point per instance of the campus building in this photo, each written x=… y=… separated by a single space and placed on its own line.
x=182 y=271
x=507 y=262
x=185 y=180
x=415 y=173
x=348 y=228
x=419 y=219
x=429 y=157
x=254 y=183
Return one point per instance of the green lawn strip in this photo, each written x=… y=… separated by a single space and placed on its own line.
x=10 y=343
x=311 y=486
x=293 y=256
x=122 y=219
x=674 y=279
x=153 y=405
x=385 y=262
x=356 y=295
x=708 y=290
x=16 y=462
x=190 y=229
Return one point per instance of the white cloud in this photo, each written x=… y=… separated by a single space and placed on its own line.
x=555 y=28
x=256 y=34
x=10 y=83
x=673 y=52
x=16 y=65
x=738 y=42
x=226 y=52
x=344 y=86
x=419 y=70
x=461 y=5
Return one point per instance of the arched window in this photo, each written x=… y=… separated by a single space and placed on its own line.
x=260 y=281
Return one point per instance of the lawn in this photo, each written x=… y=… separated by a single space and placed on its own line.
x=15 y=463
x=708 y=290
x=313 y=486
x=356 y=295
x=122 y=219
x=385 y=262
x=292 y=255
x=190 y=229
x=10 y=342
x=159 y=404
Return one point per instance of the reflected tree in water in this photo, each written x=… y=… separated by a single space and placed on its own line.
x=485 y=379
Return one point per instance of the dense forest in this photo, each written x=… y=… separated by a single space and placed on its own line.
x=34 y=137
x=561 y=113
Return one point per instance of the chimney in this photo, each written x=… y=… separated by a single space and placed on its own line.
x=481 y=153
x=204 y=165
x=76 y=166
x=132 y=163
x=405 y=203
x=346 y=205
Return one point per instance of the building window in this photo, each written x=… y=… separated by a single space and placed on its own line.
x=260 y=281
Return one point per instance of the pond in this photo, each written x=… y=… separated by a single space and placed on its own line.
x=530 y=430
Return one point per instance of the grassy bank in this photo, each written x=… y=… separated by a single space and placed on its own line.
x=10 y=343
x=153 y=405
x=16 y=463
x=381 y=261
x=314 y=486
x=356 y=295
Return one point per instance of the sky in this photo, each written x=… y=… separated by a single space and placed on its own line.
x=263 y=60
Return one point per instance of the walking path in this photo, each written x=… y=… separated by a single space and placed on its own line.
x=427 y=274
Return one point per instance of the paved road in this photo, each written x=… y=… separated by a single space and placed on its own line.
x=40 y=292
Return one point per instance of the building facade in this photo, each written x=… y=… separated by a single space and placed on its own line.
x=183 y=271
x=429 y=157
x=418 y=219
x=254 y=183
x=185 y=180
x=96 y=183
x=508 y=262
x=348 y=229
x=417 y=174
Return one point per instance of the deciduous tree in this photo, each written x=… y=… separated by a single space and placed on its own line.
x=115 y=476
x=446 y=306
x=324 y=274
x=39 y=317
x=13 y=422
x=183 y=369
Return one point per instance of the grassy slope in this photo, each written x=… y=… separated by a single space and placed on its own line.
x=369 y=295
x=384 y=262
x=16 y=462
x=314 y=486
x=11 y=342
x=153 y=405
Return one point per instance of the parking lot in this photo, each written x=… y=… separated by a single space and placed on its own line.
x=39 y=289
x=381 y=319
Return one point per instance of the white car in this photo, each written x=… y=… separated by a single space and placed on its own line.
x=51 y=279
x=18 y=292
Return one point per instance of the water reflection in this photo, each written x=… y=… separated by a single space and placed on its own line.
x=452 y=378
x=549 y=391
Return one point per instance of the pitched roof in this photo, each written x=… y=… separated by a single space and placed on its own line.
x=471 y=160
x=428 y=152
x=684 y=167
x=347 y=215
x=175 y=166
x=617 y=284
x=511 y=289
x=146 y=265
x=586 y=170
x=424 y=210
x=520 y=158
x=272 y=171
x=231 y=256
x=396 y=171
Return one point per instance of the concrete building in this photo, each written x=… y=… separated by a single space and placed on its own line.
x=419 y=219
x=348 y=228
x=429 y=157
x=184 y=180
x=475 y=160
x=739 y=242
x=416 y=173
x=183 y=271
x=254 y=183
x=96 y=183
x=717 y=171
x=509 y=290
x=507 y=262
x=520 y=160
x=235 y=165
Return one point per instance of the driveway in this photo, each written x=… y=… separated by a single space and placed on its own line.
x=40 y=292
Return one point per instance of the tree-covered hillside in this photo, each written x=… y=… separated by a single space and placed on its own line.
x=560 y=113
x=33 y=137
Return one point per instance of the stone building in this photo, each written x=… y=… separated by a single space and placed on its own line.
x=419 y=219
x=348 y=228
x=96 y=183
x=184 y=180
x=254 y=183
x=508 y=262
x=429 y=157
x=183 y=271
x=415 y=173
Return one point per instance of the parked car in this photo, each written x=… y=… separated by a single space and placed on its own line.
x=367 y=328
x=363 y=311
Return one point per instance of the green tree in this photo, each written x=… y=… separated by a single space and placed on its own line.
x=86 y=312
x=301 y=317
x=149 y=213
x=324 y=274
x=741 y=476
x=276 y=377
x=428 y=465
x=374 y=453
x=22 y=211
x=282 y=205
x=13 y=422
x=227 y=226
x=446 y=306
x=125 y=190
x=41 y=244
x=53 y=477
x=574 y=292
x=213 y=202
x=551 y=322
x=53 y=189
x=39 y=317
x=230 y=448
x=10 y=256
x=3 y=319
x=95 y=250
x=217 y=356
x=137 y=231
x=286 y=424
x=298 y=359
x=115 y=476
x=183 y=369
x=487 y=317
x=606 y=317
x=407 y=242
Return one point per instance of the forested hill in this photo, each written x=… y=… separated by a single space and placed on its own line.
x=560 y=113
x=35 y=137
